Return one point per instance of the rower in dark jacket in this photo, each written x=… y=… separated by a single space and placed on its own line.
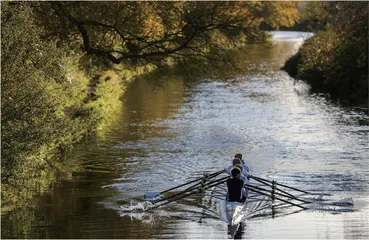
x=236 y=191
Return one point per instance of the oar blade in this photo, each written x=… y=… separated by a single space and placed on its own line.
x=152 y=195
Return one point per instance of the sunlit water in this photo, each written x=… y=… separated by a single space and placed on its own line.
x=163 y=137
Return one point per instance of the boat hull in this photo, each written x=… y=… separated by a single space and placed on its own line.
x=233 y=212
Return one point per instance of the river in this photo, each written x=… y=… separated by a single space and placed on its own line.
x=167 y=135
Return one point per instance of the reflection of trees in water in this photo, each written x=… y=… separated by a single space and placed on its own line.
x=148 y=100
x=73 y=217
x=251 y=59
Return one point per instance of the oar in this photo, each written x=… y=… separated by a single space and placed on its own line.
x=203 y=183
x=191 y=188
x=152 y=195
x=273 y=186
x=282 y=185
x=191 y=193
x=281 y=194
x=262 y=193
x=290 y=197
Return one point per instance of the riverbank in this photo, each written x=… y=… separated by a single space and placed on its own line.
x=335 y=61
x=88 y=111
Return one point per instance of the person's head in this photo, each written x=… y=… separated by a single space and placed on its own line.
x=235 y=172
x=238 y=155
x=236 y=161
x=239 y=166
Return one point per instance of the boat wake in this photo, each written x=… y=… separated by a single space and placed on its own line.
x=137 y=207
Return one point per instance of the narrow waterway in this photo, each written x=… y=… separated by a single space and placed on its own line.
x=164 y=136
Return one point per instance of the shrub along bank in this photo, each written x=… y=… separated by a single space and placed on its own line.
x=51 y=97
x=335 y=60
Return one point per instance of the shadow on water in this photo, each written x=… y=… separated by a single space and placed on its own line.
x=246 y=60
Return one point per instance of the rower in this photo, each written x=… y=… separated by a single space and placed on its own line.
x=236 y=191
x=239 y=155
x=244 y=173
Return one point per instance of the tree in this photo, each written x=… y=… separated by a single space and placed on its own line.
x=34 y=92
x=335 y=60
x=280 y=13
x=153 y=31
x=23 y=99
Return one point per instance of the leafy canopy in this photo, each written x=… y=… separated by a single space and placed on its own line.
x=155 y=31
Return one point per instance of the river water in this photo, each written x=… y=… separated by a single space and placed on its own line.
x=164 y=136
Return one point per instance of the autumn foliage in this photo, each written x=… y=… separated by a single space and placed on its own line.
x=335 y=61
x=153 y=31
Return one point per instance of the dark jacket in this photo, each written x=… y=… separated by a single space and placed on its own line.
x=234 y=189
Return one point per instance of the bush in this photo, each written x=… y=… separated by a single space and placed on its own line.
x=46 y=99
x=334 y=63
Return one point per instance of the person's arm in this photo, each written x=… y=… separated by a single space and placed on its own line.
x=246 y=168
x=243 y=192
x=244 y=179
x=228 y=170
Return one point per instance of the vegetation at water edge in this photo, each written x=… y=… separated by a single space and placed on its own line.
x=335 y=60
